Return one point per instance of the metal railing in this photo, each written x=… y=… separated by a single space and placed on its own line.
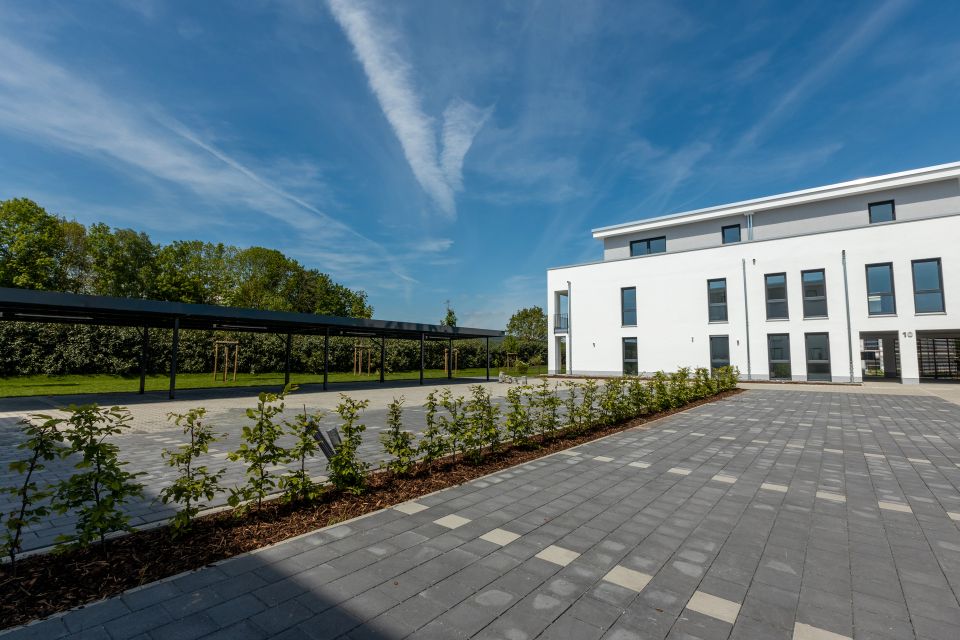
x=561 y=323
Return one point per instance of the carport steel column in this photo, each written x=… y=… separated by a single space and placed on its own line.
x=383 y=355
x=286 y=362
x=421 y=358
x=144 y=347
x=326 y=357
x=173 y=357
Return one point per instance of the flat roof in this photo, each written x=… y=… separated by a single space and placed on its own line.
x=791 y=198
x=26 y=305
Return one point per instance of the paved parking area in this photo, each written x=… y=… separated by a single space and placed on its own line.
x=772 y=514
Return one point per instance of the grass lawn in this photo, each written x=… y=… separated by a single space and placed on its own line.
x=104 y=383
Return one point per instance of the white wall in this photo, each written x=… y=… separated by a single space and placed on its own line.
x=672 y=299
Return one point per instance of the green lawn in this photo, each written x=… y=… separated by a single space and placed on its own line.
x=103 y=383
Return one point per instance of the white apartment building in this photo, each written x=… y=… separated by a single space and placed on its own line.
x=838 y=283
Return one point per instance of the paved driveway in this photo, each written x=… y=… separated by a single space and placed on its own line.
x=772 y=514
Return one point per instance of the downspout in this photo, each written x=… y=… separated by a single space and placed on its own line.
x=569 y=329
x=846 y=297
x=746 y=315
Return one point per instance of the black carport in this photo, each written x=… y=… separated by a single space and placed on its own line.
x=25 y=305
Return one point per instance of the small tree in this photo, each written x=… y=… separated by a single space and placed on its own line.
x=347 y=472
x=519 y=424
x=432 y=443
x=638 y=397
x=547 y=404
x=260 y=450
x=396 y=442
x=98 y=492
x=44 y=444
x=194 y=483
x=660 y=391
x=481 y=424
x=298 y=486
x=570 y=404
x=587 y=413
x=454 y=424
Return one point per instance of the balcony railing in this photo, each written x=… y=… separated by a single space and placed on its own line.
x=561 y=323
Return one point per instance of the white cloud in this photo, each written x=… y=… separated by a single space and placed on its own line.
x=390 y=77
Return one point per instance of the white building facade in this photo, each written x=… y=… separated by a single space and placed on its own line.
x=852 y=281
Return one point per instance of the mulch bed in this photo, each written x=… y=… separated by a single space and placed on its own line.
x=50 y=583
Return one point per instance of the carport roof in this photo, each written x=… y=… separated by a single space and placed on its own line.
x=70 y=308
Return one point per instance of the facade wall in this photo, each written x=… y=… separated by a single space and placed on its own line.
x=673 y=328
x=912 y=203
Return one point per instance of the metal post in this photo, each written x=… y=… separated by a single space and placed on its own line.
x=450 y=359
x=846 y=297
x=383 y=356
x=746 y=316
x=488 y=358
x=173 y=357
x=421 y=358
x=286 y=365
x=144 y=347
x=326 y=357
x=569 y=329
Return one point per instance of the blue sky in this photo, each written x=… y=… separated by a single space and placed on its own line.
x=428 y=151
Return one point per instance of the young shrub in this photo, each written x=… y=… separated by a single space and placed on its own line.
x=660 y=391
x=518 y=422
x=702 y=383
x=99 y=490
x=432 y=443
x=397 y=443
x=298 y=486
x=587 y=415
x=679 y=387
x=638 y=397
x=482 y=429
x=194 y=483
x=260 y=449
x=612 y=401
x=44 y=444
x=347 y=471
x=547 y=409
x=454 y=424
x=570 y=411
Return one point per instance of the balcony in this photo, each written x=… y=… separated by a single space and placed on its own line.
x=561 y=323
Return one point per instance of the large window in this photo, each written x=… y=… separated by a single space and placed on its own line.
x=717 y=299
x=818 y=356
x=882 y=211
x=928 y=286
x=814 y=284
x=776 y=296
x=778 y=352
x=719 y=352
x=629 y=356
x=881 y=298
x=730 y=233
x=628 y=306
x=648 y=245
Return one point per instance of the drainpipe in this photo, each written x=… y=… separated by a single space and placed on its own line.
x=569 y=329
x=846 y=298
x=746 y=314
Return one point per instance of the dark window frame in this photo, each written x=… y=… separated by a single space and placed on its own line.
x=711 y=305
x=712 y=359
x=893 y=288
x=827 y=377
x=803 y=292
x=623 y=308
x=913 y=276
x=785 y=299
x=647 y=241
x=893 y=211
x=771 y=361
x=623 y=356
x=723 y=233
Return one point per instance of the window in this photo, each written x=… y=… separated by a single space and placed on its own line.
x=814 y=285
x=730 y=233
x=880 y=295
x=719 y=352
x=647 y=246
x=629 y=356
x=776 y=296
x=717 y=299
x=778 y=352
x=628 y=306
x=882 y=211
x=818 y=356
x=928 y=286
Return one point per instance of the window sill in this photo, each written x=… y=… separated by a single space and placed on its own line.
x=718 y=322
x=881 y=315
x=931 y=313
x=628 y=326
x=816 y=317
x=778 y=319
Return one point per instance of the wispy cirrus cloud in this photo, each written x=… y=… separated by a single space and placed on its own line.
x=437 y=168
x=49 y=104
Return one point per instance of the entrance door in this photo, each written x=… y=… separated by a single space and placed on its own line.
x=778 y=352
x=818 y=356
x=719 y=352
x=561 y=355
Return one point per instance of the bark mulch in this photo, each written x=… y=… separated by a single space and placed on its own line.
x=46 y=584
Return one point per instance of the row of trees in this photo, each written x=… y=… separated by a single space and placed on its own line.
x=39 y=250
x=457 y=429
